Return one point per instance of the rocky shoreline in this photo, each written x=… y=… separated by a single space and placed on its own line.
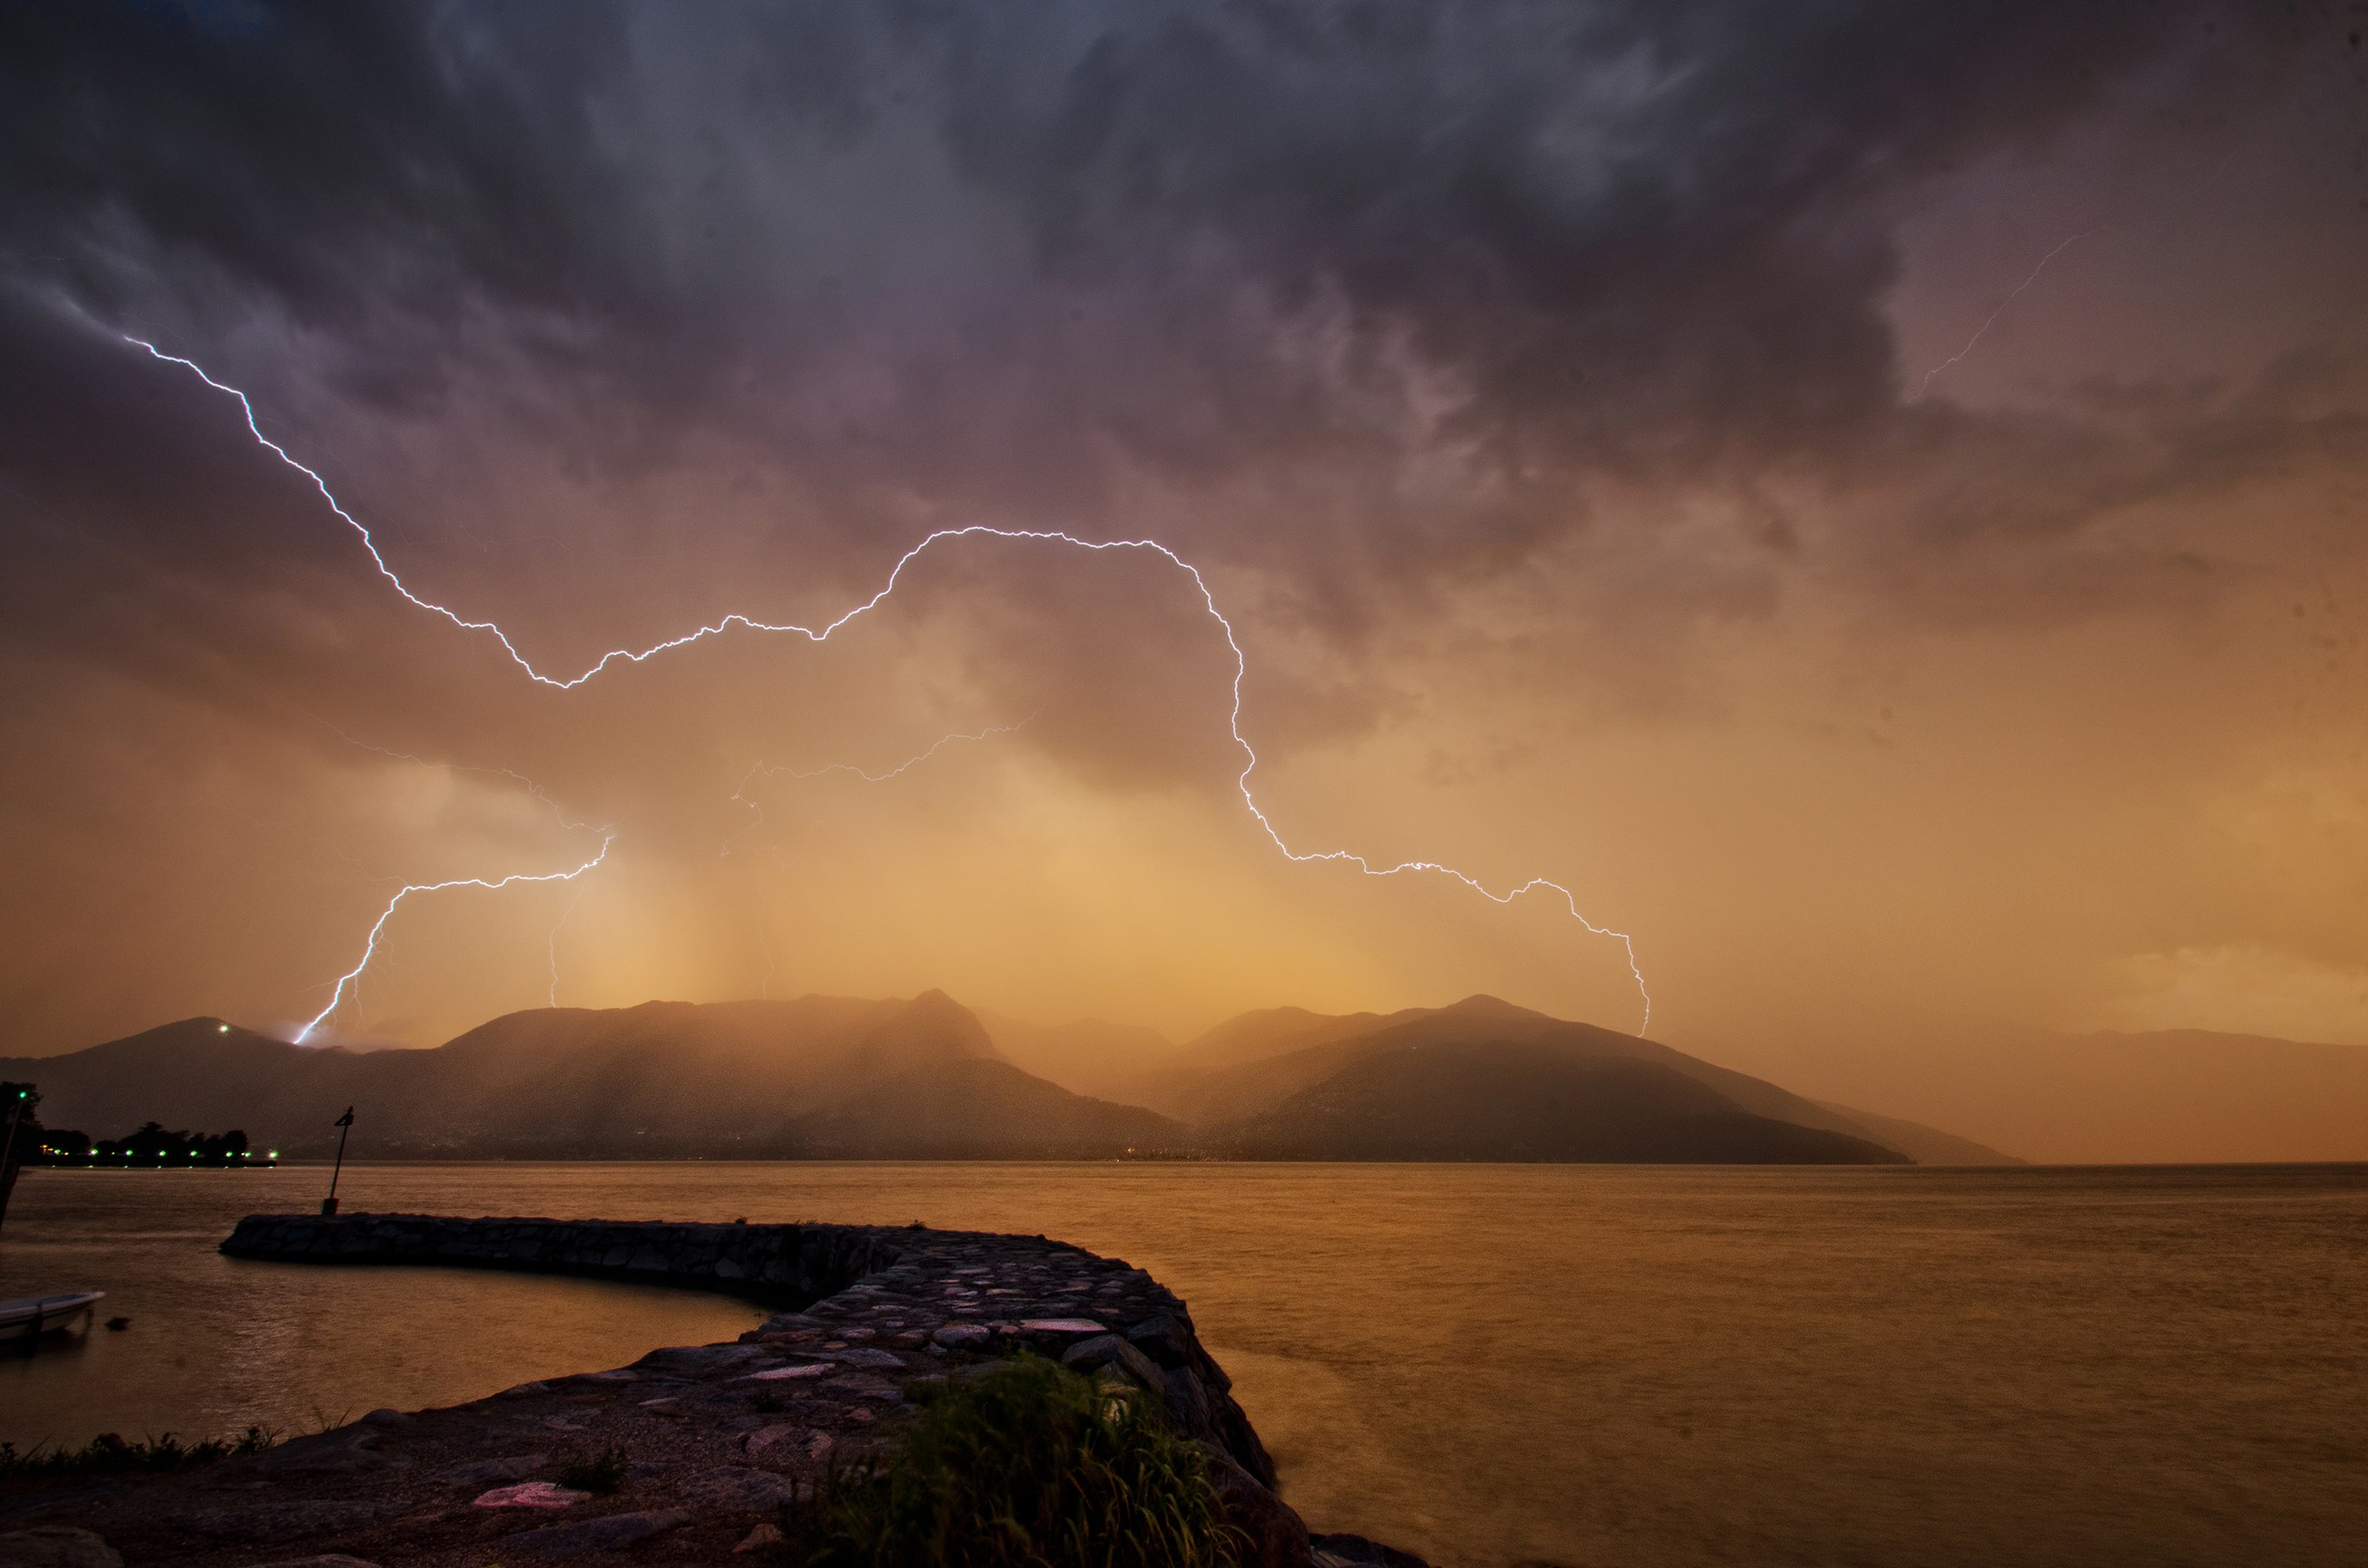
x=710 y=1440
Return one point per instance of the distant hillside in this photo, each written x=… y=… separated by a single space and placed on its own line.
x=1218 y=1079
x=667 y=1078
x=2171 y=1096
x=1089 y=1056
x=980 y=1111
x=1409 y=1100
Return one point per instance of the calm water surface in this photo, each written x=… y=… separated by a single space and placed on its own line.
x=1591 y=1366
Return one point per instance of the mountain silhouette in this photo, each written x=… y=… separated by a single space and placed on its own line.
x=928 y=1078
x=914 y=1079
x=1226 y=1080
x=1507 y=1100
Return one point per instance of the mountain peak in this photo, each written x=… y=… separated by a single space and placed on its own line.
x=1480 y=1004
x=933 y=1025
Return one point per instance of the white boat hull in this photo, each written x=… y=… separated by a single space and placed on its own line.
x=47 y=1314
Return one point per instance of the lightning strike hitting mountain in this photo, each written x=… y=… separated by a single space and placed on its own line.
x=370 y=947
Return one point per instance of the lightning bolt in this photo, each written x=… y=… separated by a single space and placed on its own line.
x=767 y=770
x=1983 y=331
x=536 y=790
x=370 y=947
x=827 y=630
x=554 y=936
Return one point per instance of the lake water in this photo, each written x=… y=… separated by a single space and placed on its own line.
x=1583 y=1365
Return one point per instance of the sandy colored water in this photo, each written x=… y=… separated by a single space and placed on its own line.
x=1585 y=1365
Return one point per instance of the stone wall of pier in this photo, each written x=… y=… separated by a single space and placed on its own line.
x=969 y=1292
x=779 y=1264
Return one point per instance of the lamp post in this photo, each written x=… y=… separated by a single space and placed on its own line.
x=345 y=1125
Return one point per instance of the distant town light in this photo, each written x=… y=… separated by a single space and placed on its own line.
x=221 y=1029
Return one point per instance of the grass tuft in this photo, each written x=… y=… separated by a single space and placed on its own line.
x=1029 y=1466
x=109 y=1454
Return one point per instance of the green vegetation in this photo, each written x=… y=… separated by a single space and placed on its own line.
x=600 y=1474
x=1028 y=1466
x=108 y=1454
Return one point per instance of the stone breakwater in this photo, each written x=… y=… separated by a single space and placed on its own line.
x=715 y=1438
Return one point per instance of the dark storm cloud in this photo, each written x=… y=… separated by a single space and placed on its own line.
x=1371 y=294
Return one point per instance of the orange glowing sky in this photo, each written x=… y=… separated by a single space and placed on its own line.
x=1543 y=393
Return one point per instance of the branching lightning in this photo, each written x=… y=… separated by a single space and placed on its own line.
x=370 y=947
x=607 y=838
x=824 y=633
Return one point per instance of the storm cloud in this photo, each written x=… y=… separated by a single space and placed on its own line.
x=610 y=319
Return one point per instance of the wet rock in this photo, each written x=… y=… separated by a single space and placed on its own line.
x=532 y=1495
x=1108 y=1350
x=67 y=1497
x=701 y=1359
x=325 y=1559
x=585 y=1536
x=962 y=1335
x=736 y=1486
x=491 y=1472
x=863 y=1355
x=342 y=1453
x=1163 y=1339
x=267 y=1524
x=1188 y=1406
x=1274 y=1536
x=760 y=1537
x=1356 y=1551
x=56 y=1546
x=764 y=1437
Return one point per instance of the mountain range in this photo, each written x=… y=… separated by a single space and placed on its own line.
x=838 y=1077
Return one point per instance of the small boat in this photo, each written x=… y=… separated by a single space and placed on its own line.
x=46 y=1315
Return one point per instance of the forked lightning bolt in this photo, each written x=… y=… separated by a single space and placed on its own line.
x=608 y=836
x=824 y=633
x=370 y=947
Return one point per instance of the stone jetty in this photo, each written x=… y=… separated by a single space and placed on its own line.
x=712 y=1439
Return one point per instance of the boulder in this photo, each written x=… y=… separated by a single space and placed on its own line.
x=56 y=1546
x=1356 y=1551
x=270 y=1523
x=738 y=1487
x=587 y=1535
x=1273 y=1535
x=1108 y=1350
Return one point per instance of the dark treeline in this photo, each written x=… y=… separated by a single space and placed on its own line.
x=153 y=1143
